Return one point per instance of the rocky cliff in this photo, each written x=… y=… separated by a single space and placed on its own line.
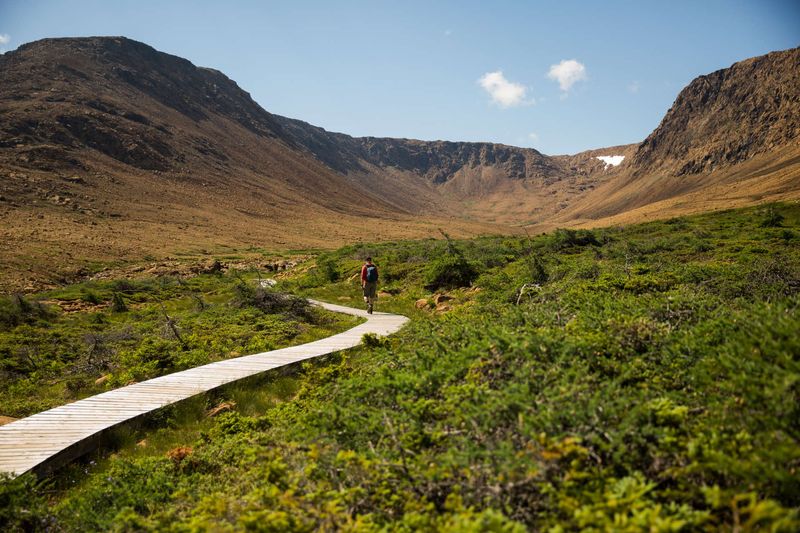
x=727 y=117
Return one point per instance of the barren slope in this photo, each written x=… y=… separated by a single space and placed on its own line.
x=730 y=139
x=112 y=150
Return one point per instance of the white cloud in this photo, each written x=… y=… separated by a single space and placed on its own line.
x=5 y=38
x=634 y=87
x=503 y=92
x=448 y=33
x=567 y=73
x=533 y=137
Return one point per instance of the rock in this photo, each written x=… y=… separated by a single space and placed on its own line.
x=221 y=408
x=384 y=294
x=443 y=308
x=102 y=379
x=6 y=420
x=179 y=454
x=422 y=303
x=441 y=298
x=212 y=267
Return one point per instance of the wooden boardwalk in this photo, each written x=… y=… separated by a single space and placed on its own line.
x=52 y=438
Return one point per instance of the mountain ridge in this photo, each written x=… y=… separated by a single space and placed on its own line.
x=105 y=134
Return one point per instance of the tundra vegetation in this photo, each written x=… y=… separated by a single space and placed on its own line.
x=625 y=379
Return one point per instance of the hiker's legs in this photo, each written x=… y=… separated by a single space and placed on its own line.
x=370 y=294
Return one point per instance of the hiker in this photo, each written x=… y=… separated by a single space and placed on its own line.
x=369 y=282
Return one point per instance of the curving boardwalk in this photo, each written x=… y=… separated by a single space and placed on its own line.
x=49 y=439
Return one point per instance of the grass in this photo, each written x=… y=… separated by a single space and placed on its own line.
x=646 y=379
x=132 y=330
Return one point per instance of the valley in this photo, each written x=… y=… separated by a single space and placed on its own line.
x=111 y=151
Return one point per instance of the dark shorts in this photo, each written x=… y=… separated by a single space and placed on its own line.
x=371 y=289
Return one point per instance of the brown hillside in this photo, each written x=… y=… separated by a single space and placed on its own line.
x=730 y=139
x=111 y=150
x=727 y=117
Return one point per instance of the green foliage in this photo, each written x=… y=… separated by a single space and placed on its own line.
x=329 y=270
x=48 y=358
x=18 y=310
x=563 y=239
x=21 y=506
x=650 y=383
x=538 y=273
x=118 y=304
x=271 y=302
x=449 y=272
x=772 y=218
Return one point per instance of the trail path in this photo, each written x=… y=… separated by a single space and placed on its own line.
x=52 y=438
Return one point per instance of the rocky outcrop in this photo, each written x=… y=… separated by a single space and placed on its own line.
x=727 y=117
x=436 y=161
x=99 y=92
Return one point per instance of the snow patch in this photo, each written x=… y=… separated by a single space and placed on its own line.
x=611 y=160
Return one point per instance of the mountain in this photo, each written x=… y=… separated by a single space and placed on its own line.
x=481 y=181
x=727 y=117
x=110 y=149
x=116 y=106
x=730 y=139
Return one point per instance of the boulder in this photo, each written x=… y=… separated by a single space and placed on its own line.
x=422 y=303
x=441 y=298
x=221 y=408
x=179 y=454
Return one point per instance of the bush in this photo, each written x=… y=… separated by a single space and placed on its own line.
x=570 y=238
x=19 y=310
x=772 y=218
x=538 y=274
x=118 y=303
x=449 y=272
x=21 y=507
x=328 y=270
x=271 y=302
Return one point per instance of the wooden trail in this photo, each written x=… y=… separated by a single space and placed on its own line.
x=49 y=439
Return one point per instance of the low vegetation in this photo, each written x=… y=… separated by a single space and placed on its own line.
x=624 y=379
x=87 y=338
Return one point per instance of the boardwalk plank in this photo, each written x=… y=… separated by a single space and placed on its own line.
x=36 y=441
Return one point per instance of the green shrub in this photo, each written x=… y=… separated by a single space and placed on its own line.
x=271 y=302
x=449 y=272
x=568 y=238
x=22 y=507
x=18 y=310
x=772 y=218
x=538 y=272
x=118 y=304
x=90 y=296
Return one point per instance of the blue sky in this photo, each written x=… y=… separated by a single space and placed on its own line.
x=557 y=76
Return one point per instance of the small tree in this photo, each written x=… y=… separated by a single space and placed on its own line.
x=118 y=303
x=772 y=218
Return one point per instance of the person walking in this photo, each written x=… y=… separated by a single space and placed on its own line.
x=369 y=282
